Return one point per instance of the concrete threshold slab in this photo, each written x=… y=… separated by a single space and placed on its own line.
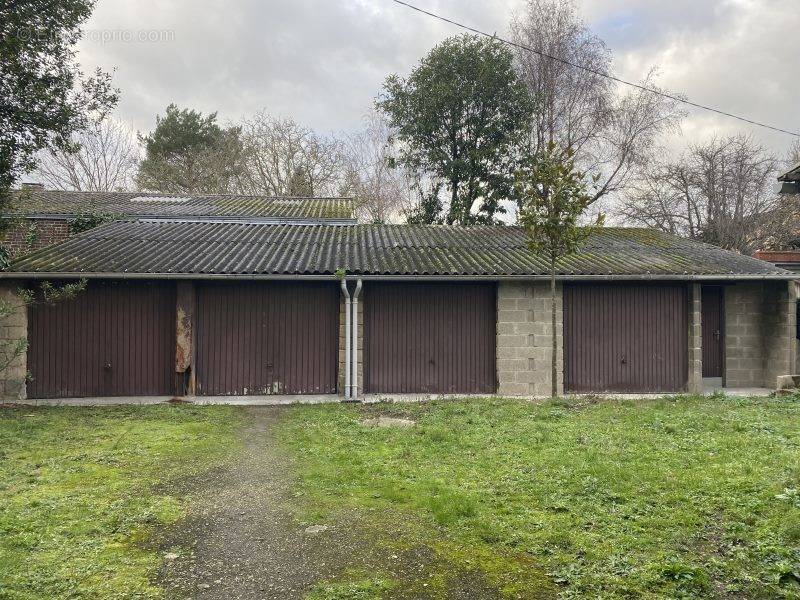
x=195 y=400
x=281 y=400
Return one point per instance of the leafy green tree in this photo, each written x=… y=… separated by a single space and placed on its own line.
x=553 y=195
x=300 y=184
x=190 y=153
x=429 y=207
x=459 y=119
x=44 y=96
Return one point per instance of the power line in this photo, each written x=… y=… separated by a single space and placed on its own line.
x=595 y=71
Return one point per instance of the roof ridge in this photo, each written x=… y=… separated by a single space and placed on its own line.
x=134 y=193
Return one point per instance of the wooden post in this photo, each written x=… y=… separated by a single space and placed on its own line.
x=185 y=379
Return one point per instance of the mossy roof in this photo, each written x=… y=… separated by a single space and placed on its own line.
x=65 y=204
x=239 y=249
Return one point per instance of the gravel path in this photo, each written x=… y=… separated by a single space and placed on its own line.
x=240 y=540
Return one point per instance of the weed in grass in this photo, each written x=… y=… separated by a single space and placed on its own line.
x=688 y=578
x=791 y=531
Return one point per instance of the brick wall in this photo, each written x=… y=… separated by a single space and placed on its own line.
x=524 y=339
x=759 y=346
x=360 y=341
x=33 y=234
x=13 y=328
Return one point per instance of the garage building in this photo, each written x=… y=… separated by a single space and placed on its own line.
x=230 y=308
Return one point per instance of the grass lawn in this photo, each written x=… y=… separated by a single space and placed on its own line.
x=82 y=488
x=683 y=497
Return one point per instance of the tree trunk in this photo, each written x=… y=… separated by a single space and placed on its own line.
x=455 y=210
x=554 y=355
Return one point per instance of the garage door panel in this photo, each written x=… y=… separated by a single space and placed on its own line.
x=113 y=339
x=267 y=338
x=430 y=338
x=141 y=334
x=625 y=338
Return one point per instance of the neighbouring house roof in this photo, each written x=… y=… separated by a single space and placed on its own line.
x=172 y=249
x=792 y=175
x=144 y=205
x=785 y=259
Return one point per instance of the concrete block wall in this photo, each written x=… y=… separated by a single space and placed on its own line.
x=13 y=329
x=779 y=326
x=796 y=342
x=524 y=338
x=342 y=305
x=744 y=360
x=759 y=333
x=695 y=381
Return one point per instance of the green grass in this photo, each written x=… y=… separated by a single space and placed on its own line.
x=81 y=490
x=356 y=586
x=681 y=497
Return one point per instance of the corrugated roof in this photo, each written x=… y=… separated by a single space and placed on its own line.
x=147 y=205
x=382 y=250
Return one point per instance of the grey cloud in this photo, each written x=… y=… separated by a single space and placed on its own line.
x=323 y=61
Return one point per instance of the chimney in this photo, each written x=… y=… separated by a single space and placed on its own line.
x=34 y=187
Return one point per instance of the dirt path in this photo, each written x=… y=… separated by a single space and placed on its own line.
x=240 y=540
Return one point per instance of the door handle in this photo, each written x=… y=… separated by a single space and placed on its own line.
x=717 y=334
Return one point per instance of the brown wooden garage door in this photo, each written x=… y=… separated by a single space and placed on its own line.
x=267 y=338
x=430 y=338
x=625 y=338
x=113 y=339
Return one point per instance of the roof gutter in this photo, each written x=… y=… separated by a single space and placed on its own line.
x=329 y=277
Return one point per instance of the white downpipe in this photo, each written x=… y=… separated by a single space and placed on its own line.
x=347 y=389
x=354 y=346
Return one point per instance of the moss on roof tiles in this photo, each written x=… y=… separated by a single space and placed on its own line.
x=53 y=202
x=236 y=248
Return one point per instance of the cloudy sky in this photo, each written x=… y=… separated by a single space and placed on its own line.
x=323 y=61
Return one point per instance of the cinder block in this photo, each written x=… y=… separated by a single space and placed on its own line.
x=506 y=352
x=513 y=389
x=507 y=304
x=512 y=316
x=512 y=364
x=513 y=290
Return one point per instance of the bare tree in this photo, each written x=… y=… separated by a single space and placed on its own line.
x=381 y=189
x=284 y=158
x=793 y=156
x=720 y=192
x=580 y=111
x=104 y=158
